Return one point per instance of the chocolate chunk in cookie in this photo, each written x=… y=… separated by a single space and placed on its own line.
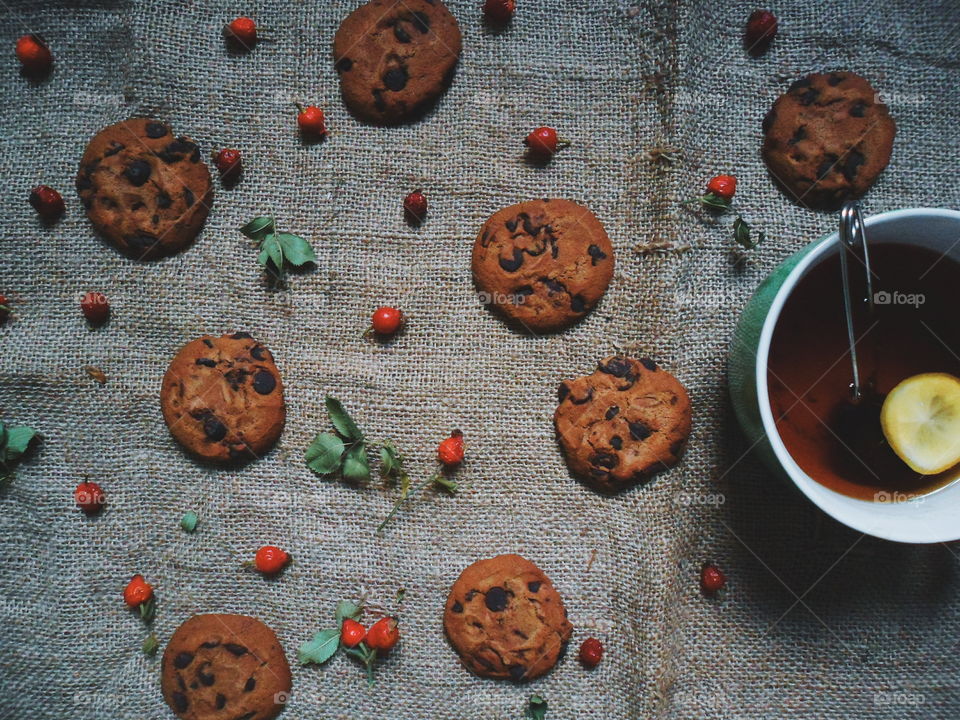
x=222 y=398
x=224 y=667
x=395 y=59
x=625 y=422
x=543 y=264
x=827 y=139
x=144 y=190
x=505 y=619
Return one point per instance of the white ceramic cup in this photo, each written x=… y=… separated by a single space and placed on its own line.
x=932 y=517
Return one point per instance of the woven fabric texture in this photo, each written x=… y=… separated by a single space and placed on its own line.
x=655 y=97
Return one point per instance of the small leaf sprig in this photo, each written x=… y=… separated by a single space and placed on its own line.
x=278 y=248
x=343 y=452
x=536 y=708
x=391 y=469
x=327 y=642
x=14 y=442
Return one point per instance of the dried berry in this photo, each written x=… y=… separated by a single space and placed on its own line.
x=760 y=32
x=47 y=202
x=34 y=54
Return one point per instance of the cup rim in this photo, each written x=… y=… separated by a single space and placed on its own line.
x=820 y=495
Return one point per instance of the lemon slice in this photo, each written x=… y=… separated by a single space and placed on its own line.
x=921 y=421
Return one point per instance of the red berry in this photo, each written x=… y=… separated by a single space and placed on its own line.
x=33 y=54
x=387 y=320
x=229 y=163
x=47 y=202
x=761 y=29
x=591 y=652
x=723 y=186
x=89 y=497
x=95 y=308
x=450 y=451
x=137 y=592
x=270 y=560
x=712 y=579
x=415 y=206
x=352 y=633
x=242 y=32
x=4 y=309
x=499 y=11
x=311 y=121
x=542 y=142
x=383 y=634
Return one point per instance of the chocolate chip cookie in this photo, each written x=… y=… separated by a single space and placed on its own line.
x=827 y=139
x=222 y=398
x=625 y=422
x=505 y=619
x=145 y=190
x=395 y=59
x=543 y=264
x=224 y=667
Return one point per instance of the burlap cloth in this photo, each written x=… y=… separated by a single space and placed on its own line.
x=817 y=621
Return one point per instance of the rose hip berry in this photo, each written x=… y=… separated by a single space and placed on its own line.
x=47 y=202
x=415 y=206
x=4 y=309
x=270 y=560
x=499 y=11
x=712 y=579
x=34 y=54
x=241 y=32
x=229 y=162
x=591 y=652
x=89 y=497
x=352 y=633
x=723 y=186
x=543 y=142
x=450 y=451
x=312 y=121
x=383 y=634
x=137 y=592
x=387 y=320
x=95 y=308
x=761 y=29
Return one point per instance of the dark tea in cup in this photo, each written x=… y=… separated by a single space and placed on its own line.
x=912 y=329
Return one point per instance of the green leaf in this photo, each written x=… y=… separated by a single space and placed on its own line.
x=258 y=228
x=148 y=610
x=324 y=454
x=446 y=483
x=391 y=464
x=715 y=201
x=342 y=421
x=271 y=251
x=356 y=466
x=189 y=521
x=347 y=609
x=150 y=644
x=741 y=234
x=536 y=708
x=297 y=250
x=18 y=438
x=3 y=440
x=321 y=648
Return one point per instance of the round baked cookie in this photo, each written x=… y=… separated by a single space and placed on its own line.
x=544 y=264
x=395 y=58
x=222 y=398
x=145 y=190
x=505 y=619
x=224 y=667
x=827 y=138
x=625 y=422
